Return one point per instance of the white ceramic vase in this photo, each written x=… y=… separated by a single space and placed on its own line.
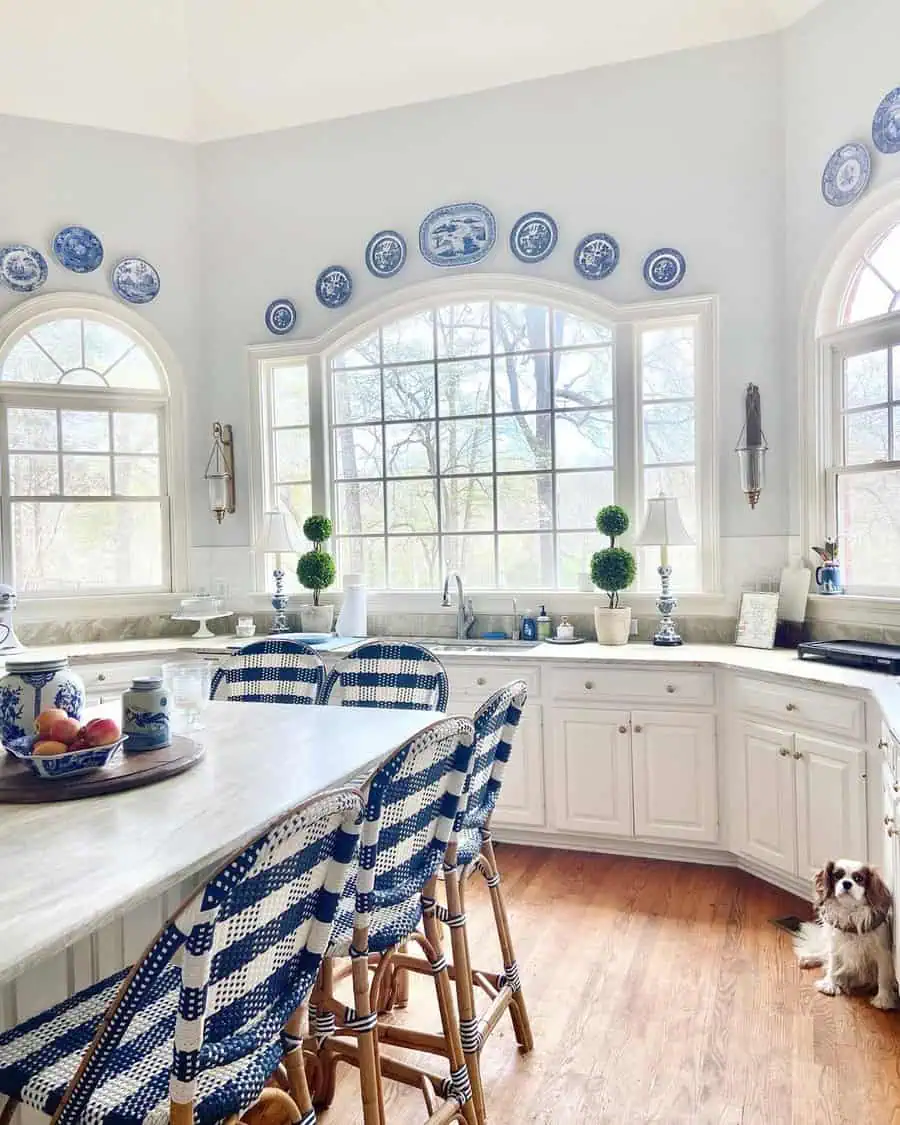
x=613 y=626
x=316 y=618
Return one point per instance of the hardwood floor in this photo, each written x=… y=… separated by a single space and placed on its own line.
x=660 y=993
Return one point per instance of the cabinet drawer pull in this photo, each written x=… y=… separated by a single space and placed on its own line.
x=888 y=819
x=670 y=688
x=623 y=730
x=797 y=755
x=589 y=684
x=783 y=751
x=101 y=676
x=889 y=826
x=790 y=707
x=638 y=728
x=481 y=681
x=896 y=786
x=883 y=744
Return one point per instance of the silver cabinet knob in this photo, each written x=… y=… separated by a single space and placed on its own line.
x=638 y=728
x=888 y=819
x=670 y=688
x=101 y=676
x=896 y=787
x=882 y=744
x=589 y=684
x=623 y=730
x=481 y=681
x=783 y=751
x=889 y=826
x=790 y=706
x=797 y=755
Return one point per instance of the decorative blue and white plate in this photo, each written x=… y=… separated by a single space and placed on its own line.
x=78 y=249
x=459 y=234
x=333 y=287
x=596 y=256
x=22 y=268
x=135 y=281
x=846 y=174
x=886 y=123
x=386 y=253
x=533 y=237
x=664 y=268
x=281 y=316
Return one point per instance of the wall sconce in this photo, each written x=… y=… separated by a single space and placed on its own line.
x=752 y=447
x=220 y=472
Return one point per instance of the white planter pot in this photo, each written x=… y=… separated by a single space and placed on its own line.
x=613 y=626
x=316 y=618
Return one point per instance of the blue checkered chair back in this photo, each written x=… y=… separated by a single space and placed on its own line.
x=377 y=674
x=203 y=1028
x=496 y=723
x=413 y=811
x=271 y=671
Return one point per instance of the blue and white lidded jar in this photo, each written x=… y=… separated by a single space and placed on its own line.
x=145 y=714
x=31 y=686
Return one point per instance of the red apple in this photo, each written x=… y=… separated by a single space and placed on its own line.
x=101 y=732
x=48 y=748
x=64 y=730
x=43 y=722
x=78 y=744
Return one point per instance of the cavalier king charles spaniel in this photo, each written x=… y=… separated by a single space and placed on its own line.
x=852 y=938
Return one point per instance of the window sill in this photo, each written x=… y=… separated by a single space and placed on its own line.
x=96 y=606
x=854 y=609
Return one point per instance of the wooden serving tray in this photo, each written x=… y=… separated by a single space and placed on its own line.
x=19 y=786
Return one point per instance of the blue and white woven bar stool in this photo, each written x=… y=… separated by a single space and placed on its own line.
x=382 y=674
x=270 y=671
x=192 y=1033
x=413 y=811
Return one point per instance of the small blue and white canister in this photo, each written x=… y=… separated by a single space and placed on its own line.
x=31 y=686
x=145 y=714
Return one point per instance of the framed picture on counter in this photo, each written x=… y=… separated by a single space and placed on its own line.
x=757 y=621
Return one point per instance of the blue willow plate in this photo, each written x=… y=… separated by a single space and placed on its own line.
x=664 y=268
x=54 y=766
x=846 y=174
x=22 y=268
x=886 y=123
x=333 y=287
x=386 y=253
x=78 y=249
x=459 y=234
x=281 y=316
x=596 y=256
x=534 y=236
x=135 y=281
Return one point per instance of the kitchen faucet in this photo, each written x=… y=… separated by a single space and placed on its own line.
x=465 y=615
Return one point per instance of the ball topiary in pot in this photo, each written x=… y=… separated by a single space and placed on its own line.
x=612 y=570
x=316 y=571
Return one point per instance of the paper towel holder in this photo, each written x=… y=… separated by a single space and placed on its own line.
x=752 y=447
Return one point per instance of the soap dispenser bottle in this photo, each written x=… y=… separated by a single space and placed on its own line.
x=544 y=627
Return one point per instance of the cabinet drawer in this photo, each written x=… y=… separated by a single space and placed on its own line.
x=116 y=676
x=483 y=679
x=644 y=685
x=818 y=710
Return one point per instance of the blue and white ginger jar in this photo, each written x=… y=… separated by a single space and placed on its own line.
x=31 y=686
x=145 y=714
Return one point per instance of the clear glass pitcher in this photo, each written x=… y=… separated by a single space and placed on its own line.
x=188 y=685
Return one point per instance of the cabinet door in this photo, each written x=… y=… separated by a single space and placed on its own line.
x=831 y=803
x=675 y=776
x=522 y=796
x=767 y=828
x=591 y=752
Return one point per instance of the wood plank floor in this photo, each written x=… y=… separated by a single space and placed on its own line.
x=660 y=993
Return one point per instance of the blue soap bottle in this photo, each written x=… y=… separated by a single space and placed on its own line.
x=529 y=626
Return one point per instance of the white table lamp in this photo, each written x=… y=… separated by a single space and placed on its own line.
x=277 y=536
x=663 y=528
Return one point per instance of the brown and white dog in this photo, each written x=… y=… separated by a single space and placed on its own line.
x=852 y=938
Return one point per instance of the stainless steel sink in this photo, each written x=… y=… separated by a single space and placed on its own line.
x=477 y=644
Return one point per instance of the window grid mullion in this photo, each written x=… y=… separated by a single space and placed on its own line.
x=494 y=474
x=384 y=480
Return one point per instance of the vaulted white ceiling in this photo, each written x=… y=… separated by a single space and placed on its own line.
x=204 y=69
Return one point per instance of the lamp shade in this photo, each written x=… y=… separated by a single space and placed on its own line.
x=278 y=533
x=663 y=526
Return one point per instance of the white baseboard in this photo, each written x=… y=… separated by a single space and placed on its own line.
x=652 y=849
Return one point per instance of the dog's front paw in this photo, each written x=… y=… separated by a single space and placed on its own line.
x=828 y=987
x=887 y=1001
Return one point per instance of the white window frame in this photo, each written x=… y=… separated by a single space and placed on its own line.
x=167 y=403
x=627 y=322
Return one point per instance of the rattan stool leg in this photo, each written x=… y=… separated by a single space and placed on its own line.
x=370 y=1085
x=295 y=1065
x=12 y=1104
x=465 y=992
x=517 y=1009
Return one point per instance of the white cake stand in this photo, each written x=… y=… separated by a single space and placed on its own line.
x=203 y=632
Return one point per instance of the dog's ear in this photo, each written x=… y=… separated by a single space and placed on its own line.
x=878 y=895
x=824 y=883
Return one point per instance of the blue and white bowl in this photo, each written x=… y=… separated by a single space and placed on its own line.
x=55 y=766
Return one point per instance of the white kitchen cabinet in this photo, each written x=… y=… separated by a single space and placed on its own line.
x=674 y=775
x=766 y=800
x=592 y=771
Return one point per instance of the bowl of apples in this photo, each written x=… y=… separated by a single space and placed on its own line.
x=62 y=747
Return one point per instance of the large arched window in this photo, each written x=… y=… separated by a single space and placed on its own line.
x=83 y=438
x=482 y=432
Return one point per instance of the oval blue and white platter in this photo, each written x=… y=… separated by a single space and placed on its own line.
x=333 y=287
x=54 y=766
x=886 y=123
x=534 y=236
x=22 y=268
x=846 y=174
x=664 y=268
x=596 y=256
x=78 y=249
x=136 y=281
x=386 y=253
x=281 y=316
x=459 y=234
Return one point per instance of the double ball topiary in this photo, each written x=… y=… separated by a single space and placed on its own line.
x=316 y=569
x=612 y=569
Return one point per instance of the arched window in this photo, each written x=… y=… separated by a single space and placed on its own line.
x=861 y=371
x=83 y=437
x=483 y=432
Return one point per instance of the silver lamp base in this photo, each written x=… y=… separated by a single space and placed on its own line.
x=666 y=633
x=279 y=604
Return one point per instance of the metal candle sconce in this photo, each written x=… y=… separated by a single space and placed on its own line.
x=752 y=447
x=220 y=472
